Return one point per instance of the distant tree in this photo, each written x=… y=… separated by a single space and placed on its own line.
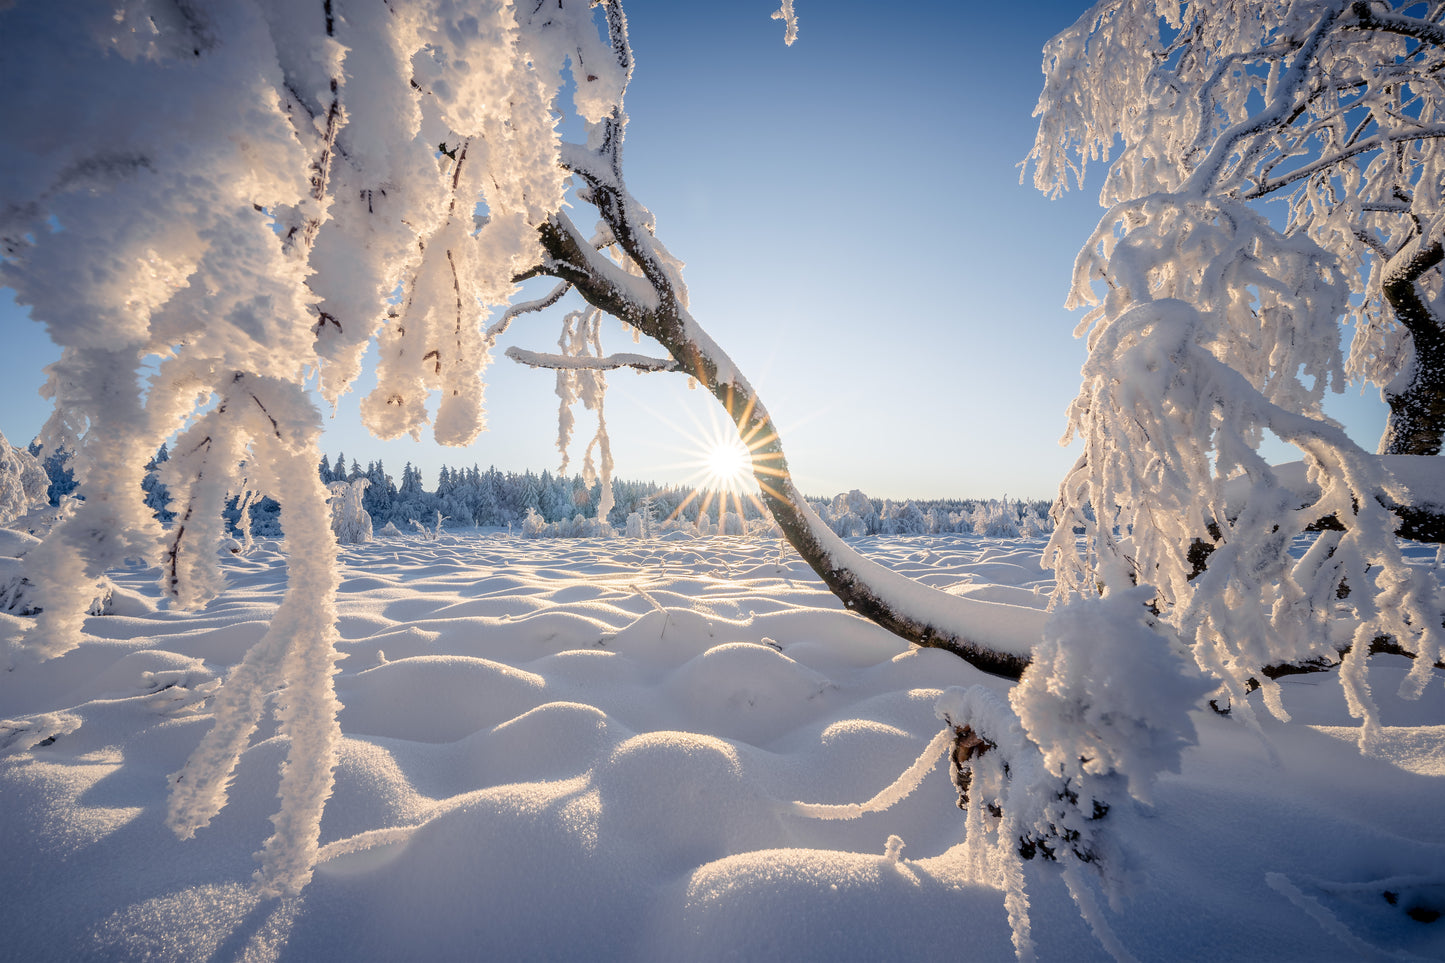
x=487 y=508
x=350 y=521
x=908 y=519
x=24 y=485
x=555 y=500
x=380 y=493
x=157 y=497
x=57 y=464
x=411 y=486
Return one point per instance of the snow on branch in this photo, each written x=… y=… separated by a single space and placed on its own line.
x=200 y=249
x=1210 y=326
x=790 y=19
x=611 y=362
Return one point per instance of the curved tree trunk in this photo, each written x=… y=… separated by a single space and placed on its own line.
x=992 y=637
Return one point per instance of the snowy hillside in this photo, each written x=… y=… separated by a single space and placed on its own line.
x=588 y=749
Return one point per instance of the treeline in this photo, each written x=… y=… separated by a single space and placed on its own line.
x=489 y=497
x=474 y=496
x=464 y=496
x=853 y=514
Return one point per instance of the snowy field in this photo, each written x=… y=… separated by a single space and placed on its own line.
x=587 y=749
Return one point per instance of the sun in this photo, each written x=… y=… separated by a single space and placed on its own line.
x=727 y=465
x=727 y=472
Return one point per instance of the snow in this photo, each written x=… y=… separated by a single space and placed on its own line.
x=618 y=749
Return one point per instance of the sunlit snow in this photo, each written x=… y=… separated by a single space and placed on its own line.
x=592 y=749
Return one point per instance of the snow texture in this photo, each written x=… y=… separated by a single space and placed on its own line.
x=591 y=749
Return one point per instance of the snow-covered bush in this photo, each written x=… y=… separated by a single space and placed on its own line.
x=1017 y=809
x=732 y=524
x=1107 y=700
x=349 y=521
x=996 y=519
x=764 y=528
x=579 y=526
x=635 y=527
x=533 y=525
x=433 y=532
x=24 y=485
x=25 y=513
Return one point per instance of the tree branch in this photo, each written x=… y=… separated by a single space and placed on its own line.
x=612 y=362
x=1423 y=30
x=929 y=617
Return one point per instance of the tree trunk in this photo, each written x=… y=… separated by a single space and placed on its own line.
x=1417 y=414
x=861 y=585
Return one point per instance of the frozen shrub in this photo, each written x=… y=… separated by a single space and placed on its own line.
x=533 y=525
x=349 y=521
x=24 y=486
x=634 y=525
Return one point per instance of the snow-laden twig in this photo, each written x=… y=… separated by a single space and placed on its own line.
x=887 y=798
x=611 y=362
x=1328 y=921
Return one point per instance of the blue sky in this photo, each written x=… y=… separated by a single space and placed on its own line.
x=856 y=237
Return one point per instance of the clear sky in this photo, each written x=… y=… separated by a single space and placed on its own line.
x=856 y=238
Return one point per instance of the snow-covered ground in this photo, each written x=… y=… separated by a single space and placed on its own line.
x=585 y=749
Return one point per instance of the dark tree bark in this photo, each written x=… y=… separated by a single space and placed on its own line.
x=1417 y=414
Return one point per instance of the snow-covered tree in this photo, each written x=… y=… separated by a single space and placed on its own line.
x=57 y=466
x=350 y=522
x=1211 y=325
x=24 y=485
x=157 y=497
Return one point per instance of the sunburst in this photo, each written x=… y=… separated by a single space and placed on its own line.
x=723 y=469
x=727 y=465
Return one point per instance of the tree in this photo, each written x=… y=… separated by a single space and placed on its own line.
x=57 y=468
x=350 y=522
x=157 y=498
x=24 y=485
x=1212 y=325
x=235 y=203
x=380 y=492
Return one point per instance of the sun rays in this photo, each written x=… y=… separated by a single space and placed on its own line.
x=726 y=470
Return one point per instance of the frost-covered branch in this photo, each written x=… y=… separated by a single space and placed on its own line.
x=1367 y=18
x=611 y=362
x=1218 y=99
x=1212 y=327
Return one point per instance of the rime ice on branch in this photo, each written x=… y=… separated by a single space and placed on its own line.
x=1210 y=326
x=221 y=199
